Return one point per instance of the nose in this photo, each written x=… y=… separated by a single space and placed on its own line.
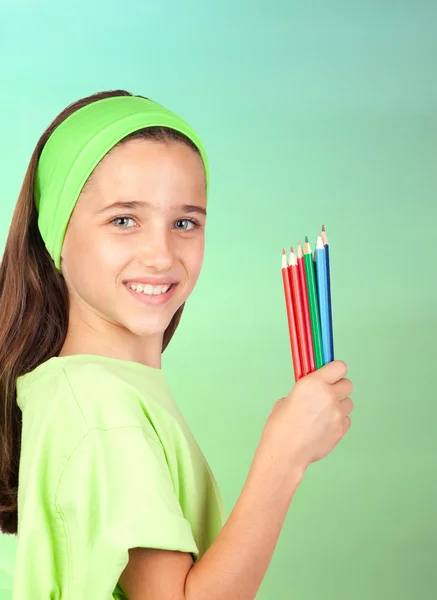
x=155 y=248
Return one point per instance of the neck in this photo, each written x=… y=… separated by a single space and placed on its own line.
x=108 y=339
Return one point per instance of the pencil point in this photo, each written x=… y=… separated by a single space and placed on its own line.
x=323 y=228
x=306 y=239
x=291 y=249
x=283 y=251
x=299 y=244
x=319 y=243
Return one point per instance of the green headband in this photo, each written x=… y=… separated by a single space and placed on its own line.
x=76 y=147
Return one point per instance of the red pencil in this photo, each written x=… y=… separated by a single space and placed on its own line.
x=306 y=309
x=298 y=314
x=291 y=321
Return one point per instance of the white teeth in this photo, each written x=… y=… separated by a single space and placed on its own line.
x=148 y=289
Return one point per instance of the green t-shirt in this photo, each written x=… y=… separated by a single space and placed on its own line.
x=107 y=463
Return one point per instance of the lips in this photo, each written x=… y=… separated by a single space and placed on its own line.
x=145 y=281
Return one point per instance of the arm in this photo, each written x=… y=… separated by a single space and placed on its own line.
x=234 y=565
x=302 y=428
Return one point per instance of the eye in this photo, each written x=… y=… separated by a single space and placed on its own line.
x=122 y=219
x=193 y=221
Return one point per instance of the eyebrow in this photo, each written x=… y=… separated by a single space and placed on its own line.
x=137 y=204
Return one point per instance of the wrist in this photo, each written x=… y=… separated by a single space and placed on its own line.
x=283 y=474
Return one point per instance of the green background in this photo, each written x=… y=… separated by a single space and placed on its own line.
x=311 y=112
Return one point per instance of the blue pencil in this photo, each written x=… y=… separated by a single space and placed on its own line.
x=323 y=298
x=328 y=279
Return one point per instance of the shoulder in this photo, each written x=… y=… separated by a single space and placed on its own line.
x=105 y=397
x=97 y=395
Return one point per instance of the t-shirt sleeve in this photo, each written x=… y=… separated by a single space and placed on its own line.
x=116 y=493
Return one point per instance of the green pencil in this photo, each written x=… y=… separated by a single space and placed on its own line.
x=314 y=305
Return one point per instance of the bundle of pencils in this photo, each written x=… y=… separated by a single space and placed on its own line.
x=307 y=287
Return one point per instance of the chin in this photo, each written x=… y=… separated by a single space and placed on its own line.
x=147 y=327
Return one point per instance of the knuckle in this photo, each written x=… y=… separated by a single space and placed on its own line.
x=339 y=432
x=341 y=367
x=332 y=396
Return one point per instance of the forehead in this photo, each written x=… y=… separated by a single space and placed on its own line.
x=149 y=157
x=146 y=167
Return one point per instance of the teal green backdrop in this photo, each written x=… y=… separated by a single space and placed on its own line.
x=311 y=112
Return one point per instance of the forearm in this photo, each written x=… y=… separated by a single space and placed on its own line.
x=234 y=565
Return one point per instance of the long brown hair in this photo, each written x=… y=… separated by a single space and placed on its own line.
x=34 y=307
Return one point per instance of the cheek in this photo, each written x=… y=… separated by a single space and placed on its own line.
x=194 y=259
x=110 y=251
x=91 y=263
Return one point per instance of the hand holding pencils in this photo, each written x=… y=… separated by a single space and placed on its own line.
x=307 y=289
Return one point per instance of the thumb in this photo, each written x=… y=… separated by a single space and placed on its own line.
x=333 y=371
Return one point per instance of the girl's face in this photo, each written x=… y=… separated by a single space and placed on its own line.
x=161 y=237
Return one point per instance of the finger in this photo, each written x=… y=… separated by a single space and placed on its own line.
x=333 y=371
x=346 y=407
x=346 y=424
x=343 y=388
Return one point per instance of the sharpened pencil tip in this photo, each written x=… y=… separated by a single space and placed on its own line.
x=283 y=251
x=306 y=239
x=323 y=228
x=291 y=249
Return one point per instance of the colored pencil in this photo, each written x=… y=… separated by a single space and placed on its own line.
x=298 y=314
x=314 y=304
x=314 y=266
x=323 y=298
x=291 y=320
x=305 y=304
x=328 y=279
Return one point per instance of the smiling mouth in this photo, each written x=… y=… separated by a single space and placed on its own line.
x=148 y=296
x=141 y=288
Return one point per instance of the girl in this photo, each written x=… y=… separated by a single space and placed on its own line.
x=100 y=475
